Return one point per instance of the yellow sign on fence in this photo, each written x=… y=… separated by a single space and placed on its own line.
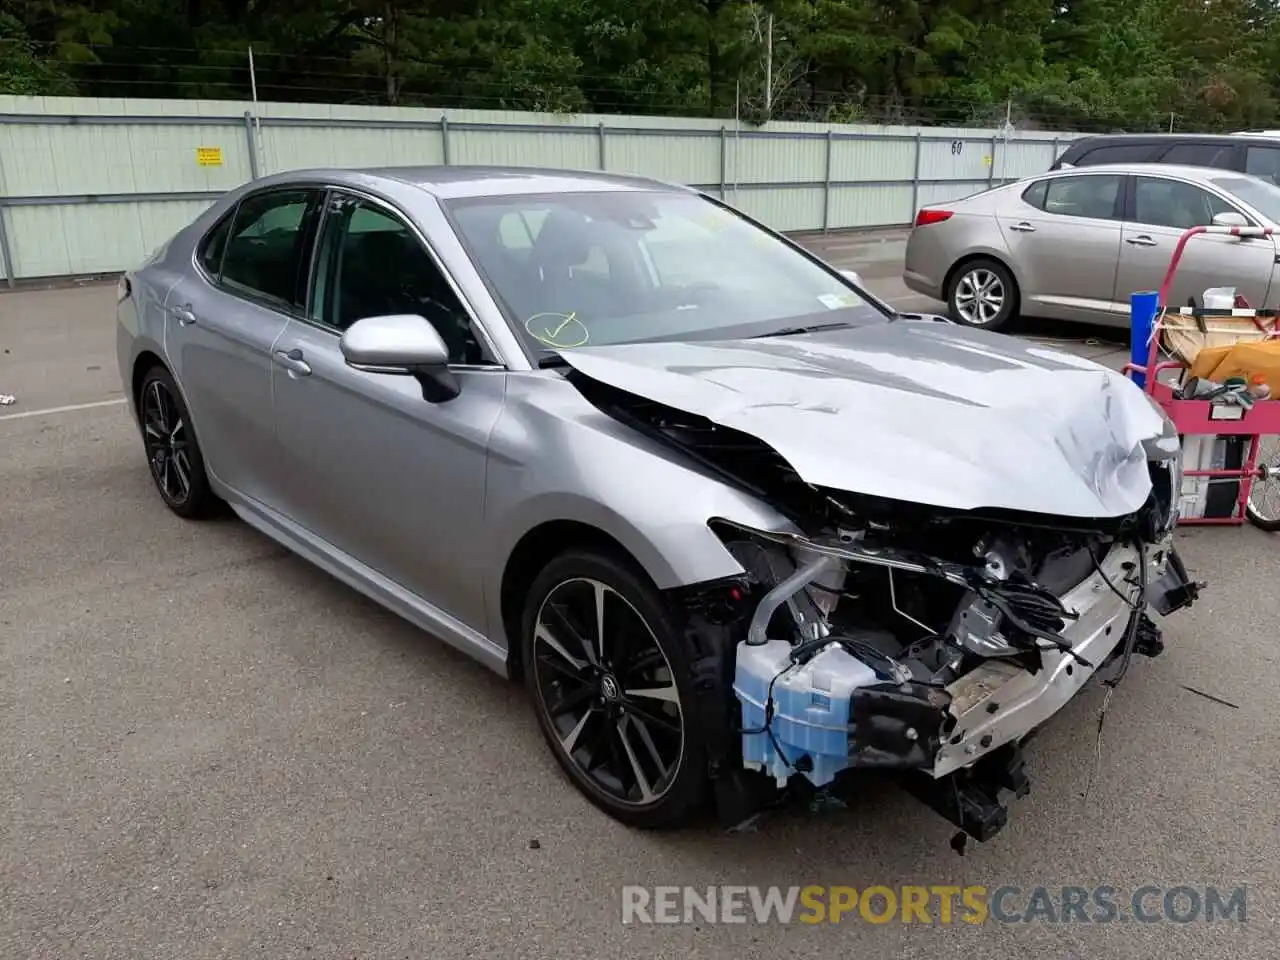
x=209 y=156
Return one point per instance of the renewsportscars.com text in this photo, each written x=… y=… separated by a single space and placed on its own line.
x=939 y=904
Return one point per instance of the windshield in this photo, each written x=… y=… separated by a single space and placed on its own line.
x=1262 y=196
x=578 y=269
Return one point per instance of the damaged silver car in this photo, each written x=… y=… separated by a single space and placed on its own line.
x=736 y=523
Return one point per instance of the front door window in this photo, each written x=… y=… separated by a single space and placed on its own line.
x=371 y=264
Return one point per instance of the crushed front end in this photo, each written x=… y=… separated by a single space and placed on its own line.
x=932 y=644
x=907 y=638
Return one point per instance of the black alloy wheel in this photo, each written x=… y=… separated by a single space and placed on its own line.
x=173 y=455
x=609 y=684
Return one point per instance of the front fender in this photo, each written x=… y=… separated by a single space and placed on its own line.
x=675 y=547
x=553 y=457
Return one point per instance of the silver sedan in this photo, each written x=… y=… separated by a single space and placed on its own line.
x=735 y=523
x=1075 y=244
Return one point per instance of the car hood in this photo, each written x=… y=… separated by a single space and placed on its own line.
x=914 y=410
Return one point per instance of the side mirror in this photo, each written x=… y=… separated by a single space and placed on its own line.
x=404 y=345
x=853 y=277
x=1230 y=219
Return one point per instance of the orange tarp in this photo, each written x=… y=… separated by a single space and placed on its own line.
x=1259 y=360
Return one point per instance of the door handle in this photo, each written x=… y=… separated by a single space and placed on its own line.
x=184 y=315
x=1023 y=227
x=1141 y=241
x=292 y=361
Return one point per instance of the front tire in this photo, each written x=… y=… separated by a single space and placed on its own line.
x=610 y=683
x=173 y=455
x=983 y=294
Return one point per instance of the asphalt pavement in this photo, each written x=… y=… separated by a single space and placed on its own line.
x=209 y=748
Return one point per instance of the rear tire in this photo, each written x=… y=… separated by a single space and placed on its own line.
x=173 y=454
x=618 y=715
x=982 y=294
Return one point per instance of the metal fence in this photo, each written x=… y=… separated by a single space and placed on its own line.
x=91 y=186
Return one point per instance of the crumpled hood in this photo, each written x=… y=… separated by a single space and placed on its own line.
x=913 y=410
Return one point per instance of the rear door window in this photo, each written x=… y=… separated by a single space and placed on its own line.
x=1083 y=196
x=1263 y=162
x=266 y=252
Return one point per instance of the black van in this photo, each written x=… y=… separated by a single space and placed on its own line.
x=1255 y=153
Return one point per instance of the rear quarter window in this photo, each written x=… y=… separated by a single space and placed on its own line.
x=1035 y=194
x=214 y=243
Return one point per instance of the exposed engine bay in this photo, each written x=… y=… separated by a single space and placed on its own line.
x=893 y=636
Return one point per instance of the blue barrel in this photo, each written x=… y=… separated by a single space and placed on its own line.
x=1142 y=318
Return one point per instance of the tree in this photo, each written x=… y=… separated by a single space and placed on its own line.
x=1068 y=64
x=22 y=69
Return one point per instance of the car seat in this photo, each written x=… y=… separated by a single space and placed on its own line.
x=563 y=243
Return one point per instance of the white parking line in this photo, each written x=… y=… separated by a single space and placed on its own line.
x=68 y=409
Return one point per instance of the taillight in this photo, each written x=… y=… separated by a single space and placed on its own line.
x=123 y=289
x=927 y=216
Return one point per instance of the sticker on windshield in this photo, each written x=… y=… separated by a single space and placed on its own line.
x=561 y=331
x=836 y=301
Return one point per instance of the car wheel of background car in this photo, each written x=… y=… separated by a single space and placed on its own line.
x=172 y=452
x=982 y=294
x=610 y=684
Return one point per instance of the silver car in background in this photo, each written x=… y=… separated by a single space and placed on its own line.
x=1075 y=244
x=735 y=524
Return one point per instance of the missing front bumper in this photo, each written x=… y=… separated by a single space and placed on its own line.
x=999 y=702
x=973 y=799
x=959 y=746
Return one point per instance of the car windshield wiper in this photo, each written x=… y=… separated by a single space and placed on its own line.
x=811 y=328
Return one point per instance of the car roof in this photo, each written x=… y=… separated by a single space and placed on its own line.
x=453 y=182
x=1149 y=170
x=1093 y=139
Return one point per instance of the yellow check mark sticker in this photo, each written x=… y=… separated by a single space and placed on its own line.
x=559 y=330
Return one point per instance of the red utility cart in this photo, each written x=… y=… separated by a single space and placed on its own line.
x=1259 y=475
